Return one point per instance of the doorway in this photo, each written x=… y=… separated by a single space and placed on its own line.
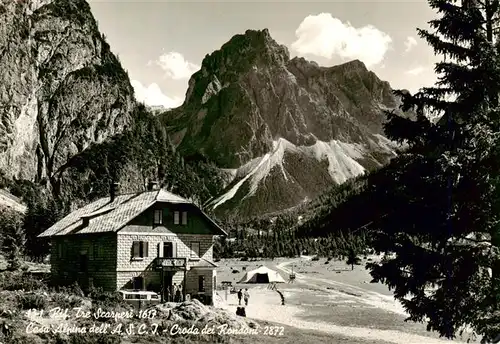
x=168 y=250
x=83 y=278
x=84 y=263
x=167 y=286
x=262 y=278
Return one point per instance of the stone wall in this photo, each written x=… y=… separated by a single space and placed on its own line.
x=128 y=267
x=115 y=267
x=192 y=282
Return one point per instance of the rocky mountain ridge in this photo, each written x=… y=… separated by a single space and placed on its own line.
x=61 y=88
x=281 y=129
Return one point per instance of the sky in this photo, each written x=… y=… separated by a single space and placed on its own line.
x=162 y=43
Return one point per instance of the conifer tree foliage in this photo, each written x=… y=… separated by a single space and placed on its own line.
x=352 y=257
x=13 y=237
x=443 y=230
x=142 y=152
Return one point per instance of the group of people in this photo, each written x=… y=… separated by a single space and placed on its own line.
x=243 y=295
x=174 y=293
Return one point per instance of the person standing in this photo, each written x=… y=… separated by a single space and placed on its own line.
x=174 y=293
x=240 y=296
x=168 y=294
x=246 y=296
x=181 y=295
x=178 y=294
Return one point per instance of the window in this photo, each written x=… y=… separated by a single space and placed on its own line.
x=139 y=249
x=195 y=250
x=60 y=250
x=201 y=283
x=184 y=218
x=166 y=249
x=158 y=217
x=96 y=251
x=176 y=217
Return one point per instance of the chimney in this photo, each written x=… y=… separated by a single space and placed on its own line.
x=152 y=185
x=113 y=191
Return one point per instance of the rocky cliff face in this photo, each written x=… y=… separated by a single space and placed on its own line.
x=61 y=88
x=282 y=129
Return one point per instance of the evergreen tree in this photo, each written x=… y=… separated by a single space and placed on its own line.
x=352 y=258
x=14 y=238
x=444 y=191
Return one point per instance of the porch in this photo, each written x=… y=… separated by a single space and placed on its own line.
x=178 y=280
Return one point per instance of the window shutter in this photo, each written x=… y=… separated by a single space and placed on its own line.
x=174 y=249
x=160 y=249
x=158 y=217
x=146 y=249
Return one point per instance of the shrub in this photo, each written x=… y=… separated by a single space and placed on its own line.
x=107 y=300
x=31 y=301
x=315 y=258
x=72 y=289
x=244 y=259
x=16 y=280
x=66 y=301
x=18 y=338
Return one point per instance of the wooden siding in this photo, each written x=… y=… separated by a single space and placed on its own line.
x=67 y=269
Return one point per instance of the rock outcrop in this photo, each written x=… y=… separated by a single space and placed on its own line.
x=283 y=129
x=61 y=88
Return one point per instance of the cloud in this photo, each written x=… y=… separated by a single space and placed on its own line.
x=415 y=71
x=325 y=36
x=152 y=95
x=176 y=66
x=410 y=43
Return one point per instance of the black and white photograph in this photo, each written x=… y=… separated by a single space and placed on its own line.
x=235 y=171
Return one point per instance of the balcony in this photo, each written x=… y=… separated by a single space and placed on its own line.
x=169 y=264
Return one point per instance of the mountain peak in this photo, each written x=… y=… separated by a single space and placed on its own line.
x=281 y=129
x=254 y=47
x=354 y=65
x=242 y=53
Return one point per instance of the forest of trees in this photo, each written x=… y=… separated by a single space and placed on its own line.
x=278 y=237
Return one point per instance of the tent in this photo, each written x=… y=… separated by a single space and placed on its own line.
x=262 y=275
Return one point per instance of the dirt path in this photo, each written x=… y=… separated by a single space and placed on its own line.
x=265 y=306
x=385 y=302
